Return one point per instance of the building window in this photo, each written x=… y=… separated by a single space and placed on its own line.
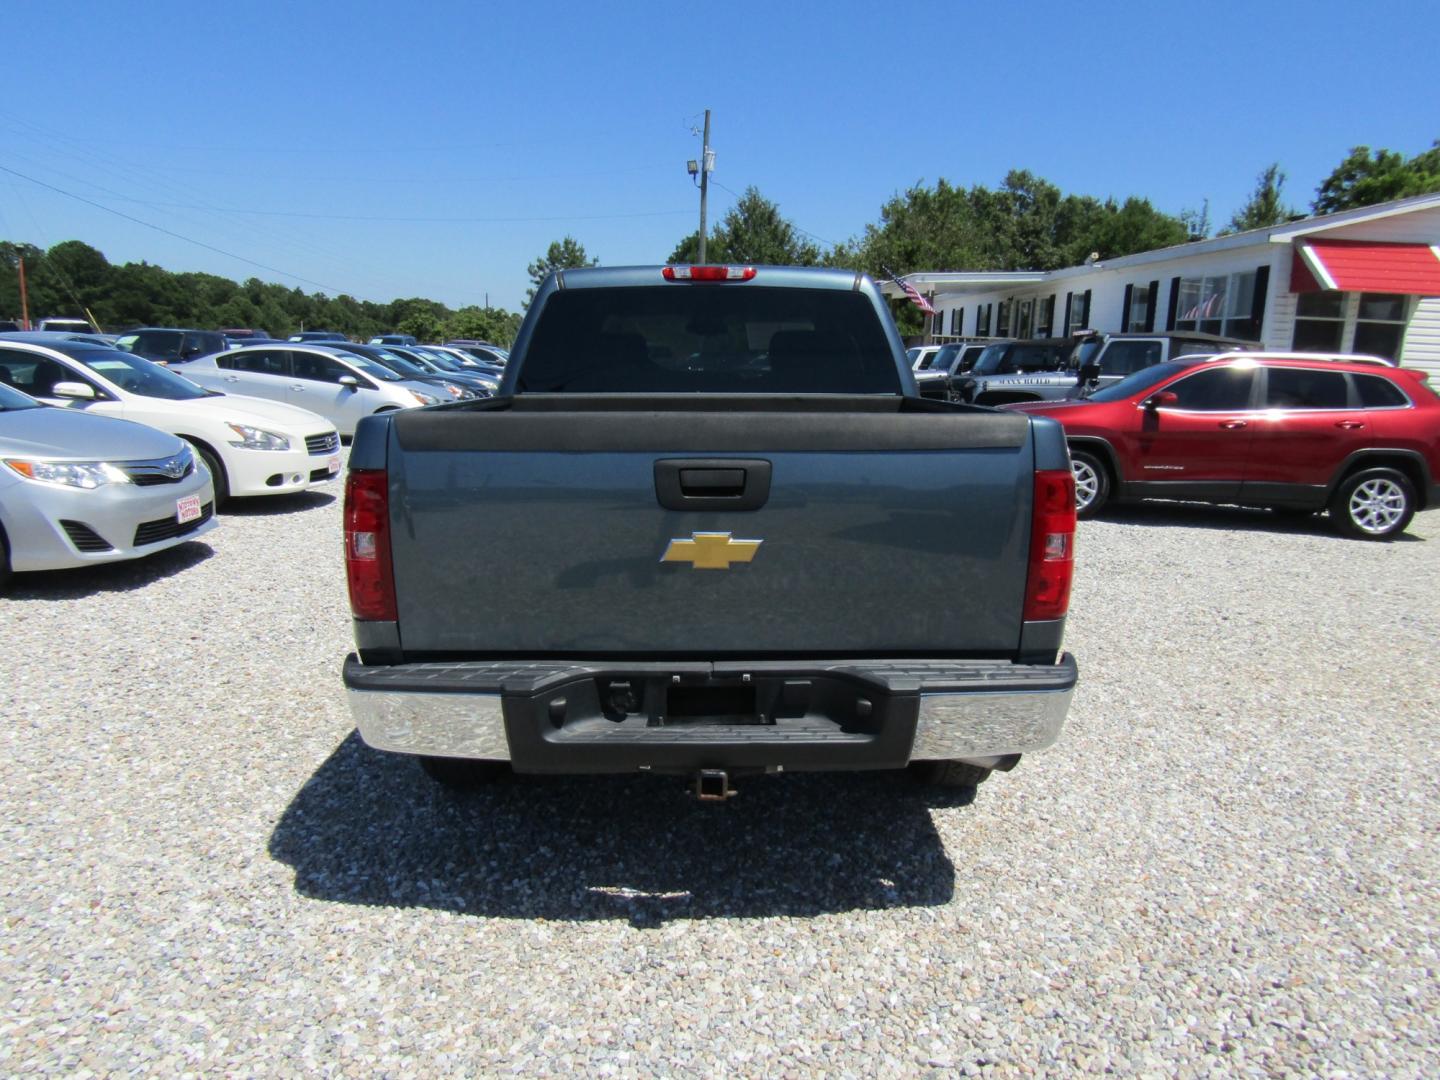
x=1219 y=305
x=1138 y=317
x=957 y=321
x=1045 y=317
x=1024 y=317
x=937 y=324
x=1079 y=311
x=982 y=320
x=1002 y=319
x=1380 y=325
x=1319 y=322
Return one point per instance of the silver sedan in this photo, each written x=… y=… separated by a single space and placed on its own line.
x=78 y=489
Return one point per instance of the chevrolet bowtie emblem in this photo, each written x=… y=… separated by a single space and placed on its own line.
x=711 y=550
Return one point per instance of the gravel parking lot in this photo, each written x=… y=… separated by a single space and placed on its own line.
x=1228 y=864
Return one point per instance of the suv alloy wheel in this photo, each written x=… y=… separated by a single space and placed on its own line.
x=1373 y=504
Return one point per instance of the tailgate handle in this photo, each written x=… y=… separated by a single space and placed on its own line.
x=712 y=484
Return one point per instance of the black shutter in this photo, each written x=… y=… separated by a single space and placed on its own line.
x=1065 y=326
x=1174 y=303
x=1257 y=305
x=1150 y=306
x=1125 y=311
x=1050 y=320
x=1086 y=324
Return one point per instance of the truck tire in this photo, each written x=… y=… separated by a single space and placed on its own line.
x=462 y=774
x=1373 y=504
x=1092 y=483
x=954 y=775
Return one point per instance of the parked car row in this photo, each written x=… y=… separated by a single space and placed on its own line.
x=85 y=426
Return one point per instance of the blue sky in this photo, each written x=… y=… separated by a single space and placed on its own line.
x=296 y=135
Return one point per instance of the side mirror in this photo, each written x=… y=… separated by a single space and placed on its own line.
x=79 y=391
x=350 y=381
x=1161 y=400
x=1089 y=372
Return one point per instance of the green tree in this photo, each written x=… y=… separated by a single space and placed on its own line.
x=563 y=254
x=1265 y=206
x=1365 y=178
x=483 y=324
x=1132 y=227
x=425 y=319
x=752 y=231
x=1025 y=224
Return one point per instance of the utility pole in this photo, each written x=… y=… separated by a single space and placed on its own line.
x=706 y=164
x=24 y=299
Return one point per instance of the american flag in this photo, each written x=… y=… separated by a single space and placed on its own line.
x=914 y=295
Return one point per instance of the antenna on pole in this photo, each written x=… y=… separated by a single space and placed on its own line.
x=704 y=167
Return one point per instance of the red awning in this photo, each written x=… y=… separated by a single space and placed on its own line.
x=1362 y=266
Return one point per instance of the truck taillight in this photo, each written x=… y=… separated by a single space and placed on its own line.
x=1052 y=546
x=708 y=273
x=367 y=545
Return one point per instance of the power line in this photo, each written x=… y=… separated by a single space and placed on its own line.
x=167 y=232
x=408 y=220
x=804 y=232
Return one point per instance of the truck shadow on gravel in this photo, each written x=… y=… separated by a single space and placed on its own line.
x=116 y=577
x=371 y=828
x=1229 y=519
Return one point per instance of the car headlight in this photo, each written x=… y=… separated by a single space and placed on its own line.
x=77 y=474
x=253 y=438
x=455 y=391
x=423 y=398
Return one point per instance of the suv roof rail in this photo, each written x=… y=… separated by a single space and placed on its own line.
x=1332 y=358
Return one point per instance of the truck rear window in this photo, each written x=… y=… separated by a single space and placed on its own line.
x=709 y=339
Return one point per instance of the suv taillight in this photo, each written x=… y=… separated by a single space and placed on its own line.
x=1052 y=546
x=367 y=545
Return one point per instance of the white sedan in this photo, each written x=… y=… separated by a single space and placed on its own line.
x=250 y=447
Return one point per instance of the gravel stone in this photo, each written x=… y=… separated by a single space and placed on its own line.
x=1227 y=866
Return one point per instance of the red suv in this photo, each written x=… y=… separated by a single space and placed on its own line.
x=1296 y=432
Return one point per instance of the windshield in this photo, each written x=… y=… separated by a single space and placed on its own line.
x=138 y=376
x=370 y=367
x=403 y=364
x=13 y=400
x=444 y=361
x=989 y=361
x=1141 y=380
x=944 y=360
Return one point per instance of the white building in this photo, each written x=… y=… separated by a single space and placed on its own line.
x=1365 y=280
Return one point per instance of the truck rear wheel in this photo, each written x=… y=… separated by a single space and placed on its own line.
x=959 y=777
x=462 y=774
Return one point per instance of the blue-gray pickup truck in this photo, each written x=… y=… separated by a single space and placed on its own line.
x=708 y=527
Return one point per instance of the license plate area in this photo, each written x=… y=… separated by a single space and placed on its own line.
x=712 y=704
x=678 y=721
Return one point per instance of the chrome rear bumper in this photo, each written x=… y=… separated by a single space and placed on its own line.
x=916 y=711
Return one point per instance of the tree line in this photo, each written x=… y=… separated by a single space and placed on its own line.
x=1026 y=223
x=73 y=277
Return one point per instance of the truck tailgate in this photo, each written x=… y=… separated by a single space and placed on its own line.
x=888 y=528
